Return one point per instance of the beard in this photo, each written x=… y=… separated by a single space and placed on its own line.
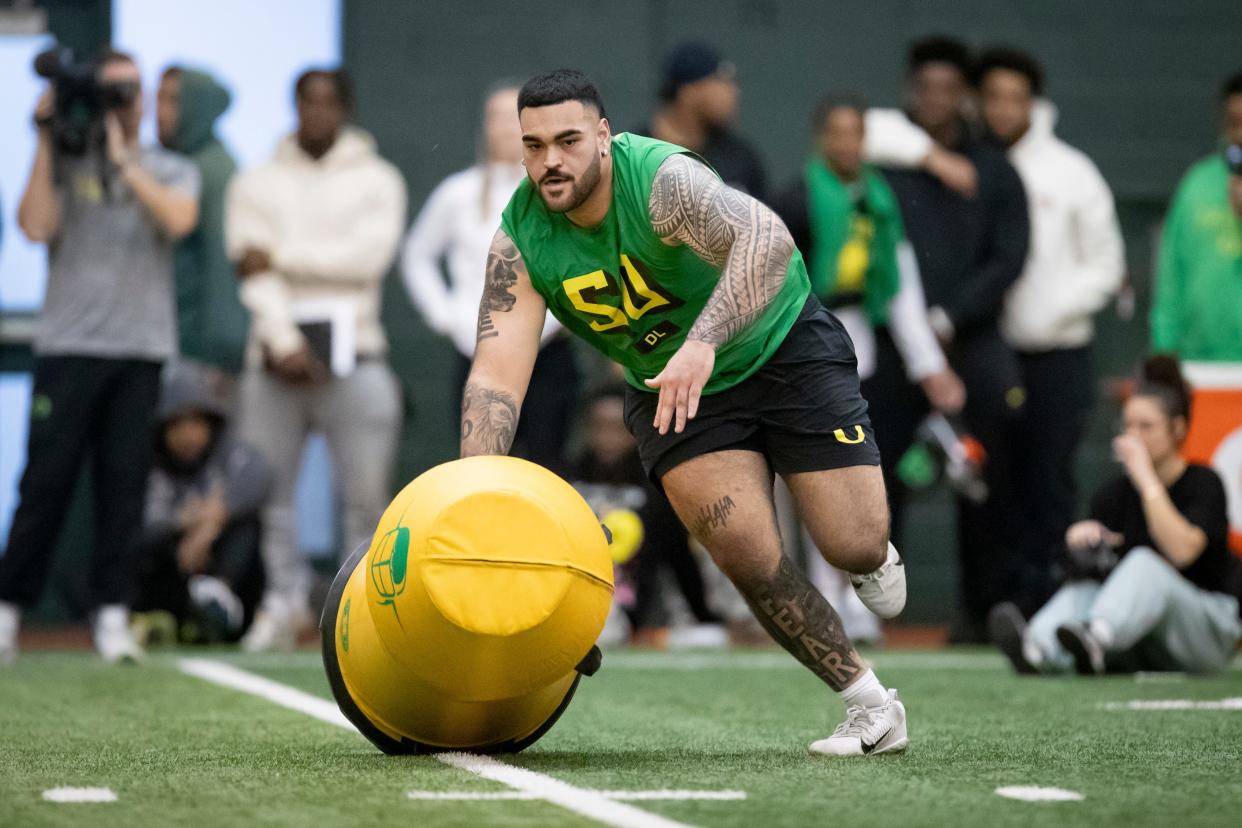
x=582 y=188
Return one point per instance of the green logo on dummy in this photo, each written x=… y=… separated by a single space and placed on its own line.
x=345 y=626
x=388 y=567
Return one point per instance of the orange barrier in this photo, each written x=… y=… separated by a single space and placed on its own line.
x=1216 y=431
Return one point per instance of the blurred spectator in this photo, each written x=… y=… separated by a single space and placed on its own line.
x=647 y=535
x=1198 y=305
x=211 y=320
x=1152 y=584
x=698 y=103
x=109 y=218
x=1074 y=266
x=199 y=557
x=846 y=221
x=313 y=232
x=970 y=251
x=456 y=227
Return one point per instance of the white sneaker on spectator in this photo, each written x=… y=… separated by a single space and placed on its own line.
x=10 y=621
x=867 y=731
x=883 y=591
x=698 y=637
x=113 y=639
x=276 y=626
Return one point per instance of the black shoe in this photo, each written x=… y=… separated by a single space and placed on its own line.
x=1007 y=629
x=1087 y=652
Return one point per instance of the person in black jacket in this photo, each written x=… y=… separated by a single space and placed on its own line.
x=969 y=250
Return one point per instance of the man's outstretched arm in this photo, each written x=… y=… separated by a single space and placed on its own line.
x=749 y=243
x=511 y=315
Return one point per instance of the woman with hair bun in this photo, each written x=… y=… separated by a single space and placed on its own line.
x=1150 y=582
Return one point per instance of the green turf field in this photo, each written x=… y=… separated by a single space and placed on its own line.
x=179 y=751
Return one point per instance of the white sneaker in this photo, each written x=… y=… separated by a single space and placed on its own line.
x=698 y=637
x=867 y=731
x=10 y=621
x=883 y=591
x=275 y=628
x=113 y=639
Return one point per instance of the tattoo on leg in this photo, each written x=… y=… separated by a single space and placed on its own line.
x=712 y=517
x=488 y=421
x=802 y=621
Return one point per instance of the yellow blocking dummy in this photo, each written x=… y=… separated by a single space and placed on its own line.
x=470 y=618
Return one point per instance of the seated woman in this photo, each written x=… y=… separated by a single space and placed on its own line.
x=1152 y=584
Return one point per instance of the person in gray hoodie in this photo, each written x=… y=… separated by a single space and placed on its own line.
x=212 y=323
x=199 y=556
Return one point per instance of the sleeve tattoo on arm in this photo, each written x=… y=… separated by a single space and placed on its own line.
x=503 y=260
x=489 y=420
x=726 y=228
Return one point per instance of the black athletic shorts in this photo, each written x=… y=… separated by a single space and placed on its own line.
x=802 y=410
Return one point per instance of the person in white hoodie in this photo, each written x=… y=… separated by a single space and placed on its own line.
x=1075 y=264
x=456 y=226
x=313 y=231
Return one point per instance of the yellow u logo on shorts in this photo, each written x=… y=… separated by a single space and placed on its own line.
x=841 y=438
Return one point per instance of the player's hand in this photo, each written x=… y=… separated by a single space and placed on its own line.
x=954 y=171
x=945 y=391
x=681 y=384
x=1086 y=534
x=1132 y=454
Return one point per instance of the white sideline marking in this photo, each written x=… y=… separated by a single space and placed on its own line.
x=579 y=800
x=1034 y=793
x=1175 y=704
x=79 y=795
x=467 y=796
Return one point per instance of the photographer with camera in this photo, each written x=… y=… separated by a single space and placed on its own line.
x=1197 y=310
x=109 y=211
x=1150 y=582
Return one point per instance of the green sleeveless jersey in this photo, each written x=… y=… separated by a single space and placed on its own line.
x=623 y=290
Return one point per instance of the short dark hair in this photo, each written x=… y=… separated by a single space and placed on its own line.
x=1232 y=86
x=1161 y=378
x=339 y=78
x=111 y=55
x=558 y=86
x=829 y=103
x=938 y=49
x=1013 y=60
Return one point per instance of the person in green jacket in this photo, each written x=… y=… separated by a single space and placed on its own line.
x=211 y=320
x=1197 y=312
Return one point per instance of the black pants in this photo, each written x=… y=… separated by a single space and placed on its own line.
x=83 y=409
x=1060 y=397
x=235 y=560
x=989 y=547
x=549 y=408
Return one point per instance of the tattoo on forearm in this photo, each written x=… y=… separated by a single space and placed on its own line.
x=802 y=621
x=502 y=262
x=726 y=228
x=489 y=420
x=713 y=516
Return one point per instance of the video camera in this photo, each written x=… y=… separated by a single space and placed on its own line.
x=82 y=100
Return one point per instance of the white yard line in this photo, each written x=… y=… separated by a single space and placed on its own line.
x=79 y=795
x=1035 y=793
x=649 y=796
x=1175 y=704
x=579 y=800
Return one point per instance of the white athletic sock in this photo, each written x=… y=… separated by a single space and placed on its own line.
x=1102 y=632
x=865 y=691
